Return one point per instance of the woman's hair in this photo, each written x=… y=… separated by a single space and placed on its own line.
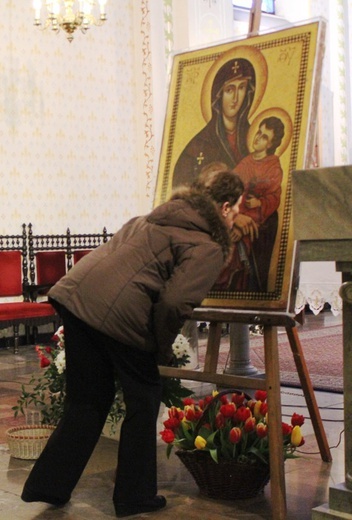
x=221 y=186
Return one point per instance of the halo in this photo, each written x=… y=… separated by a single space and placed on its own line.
x=285 y=118
x=261 y=73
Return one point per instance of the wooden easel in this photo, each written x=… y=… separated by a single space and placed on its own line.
x=271 y=383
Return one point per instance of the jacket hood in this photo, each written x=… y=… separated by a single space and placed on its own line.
x=191 y=209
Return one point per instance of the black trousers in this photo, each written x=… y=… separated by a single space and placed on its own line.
x=91 y=358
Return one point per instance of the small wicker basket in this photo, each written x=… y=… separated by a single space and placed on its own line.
x=27 y=442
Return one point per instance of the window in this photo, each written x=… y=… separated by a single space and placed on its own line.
x=268 y=6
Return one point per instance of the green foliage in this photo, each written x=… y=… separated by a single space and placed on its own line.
x=46 y=391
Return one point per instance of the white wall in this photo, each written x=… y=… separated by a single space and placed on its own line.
x=69 y=153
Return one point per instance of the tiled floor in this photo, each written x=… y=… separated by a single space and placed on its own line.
x=307 y=478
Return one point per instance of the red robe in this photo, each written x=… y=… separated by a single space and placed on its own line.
x=262 y=179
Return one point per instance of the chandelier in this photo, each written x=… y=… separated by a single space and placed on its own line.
x=68 y=16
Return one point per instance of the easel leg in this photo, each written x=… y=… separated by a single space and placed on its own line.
x=309 y=395
x=212 y=352
x=277 y=470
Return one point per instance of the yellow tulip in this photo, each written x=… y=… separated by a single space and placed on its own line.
x=200 y=442
x=256 y=411
x=296 y=436
x=186 y=423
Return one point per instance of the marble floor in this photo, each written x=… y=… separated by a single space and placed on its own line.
x=307 y=478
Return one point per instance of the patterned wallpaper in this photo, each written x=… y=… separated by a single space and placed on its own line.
x=68 y=123
x=77 y=129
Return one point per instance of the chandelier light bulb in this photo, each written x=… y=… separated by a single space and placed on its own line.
x=69 y=15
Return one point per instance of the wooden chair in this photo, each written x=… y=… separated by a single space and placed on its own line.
x=14 y=284
x=47 y=261
x=77 y=255
x=79 y=245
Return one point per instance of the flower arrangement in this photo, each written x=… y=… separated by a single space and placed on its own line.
x=46 y=392
x=228 y=426
x=173 y=391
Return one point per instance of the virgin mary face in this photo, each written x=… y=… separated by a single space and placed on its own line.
x=234 y=93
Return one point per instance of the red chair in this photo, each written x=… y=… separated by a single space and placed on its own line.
x=50 y=267
x=12 y=285
x=77 y=255
x=47 y=261
x=79 y=245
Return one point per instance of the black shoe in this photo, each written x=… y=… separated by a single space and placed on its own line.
x=30 y=496
x=153 y=504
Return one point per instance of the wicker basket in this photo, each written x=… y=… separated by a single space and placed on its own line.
x=226 y=480
x=27 y=442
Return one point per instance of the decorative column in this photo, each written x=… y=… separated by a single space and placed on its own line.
x=240 y=363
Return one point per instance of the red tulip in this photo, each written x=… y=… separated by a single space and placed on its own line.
x=228 y=410
x=297 y=419
x=242 y=414
x=260 y=395
x=249 y=425
x=176 y=412
x=262 y=430
x=189 y=413
x=172 y=423
x=201 y=404
x=238 y=399
x=167 y=436
x=235 y=435
x=44 y=361
x=264 y=409
x=286 y=429
x=219 y=421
